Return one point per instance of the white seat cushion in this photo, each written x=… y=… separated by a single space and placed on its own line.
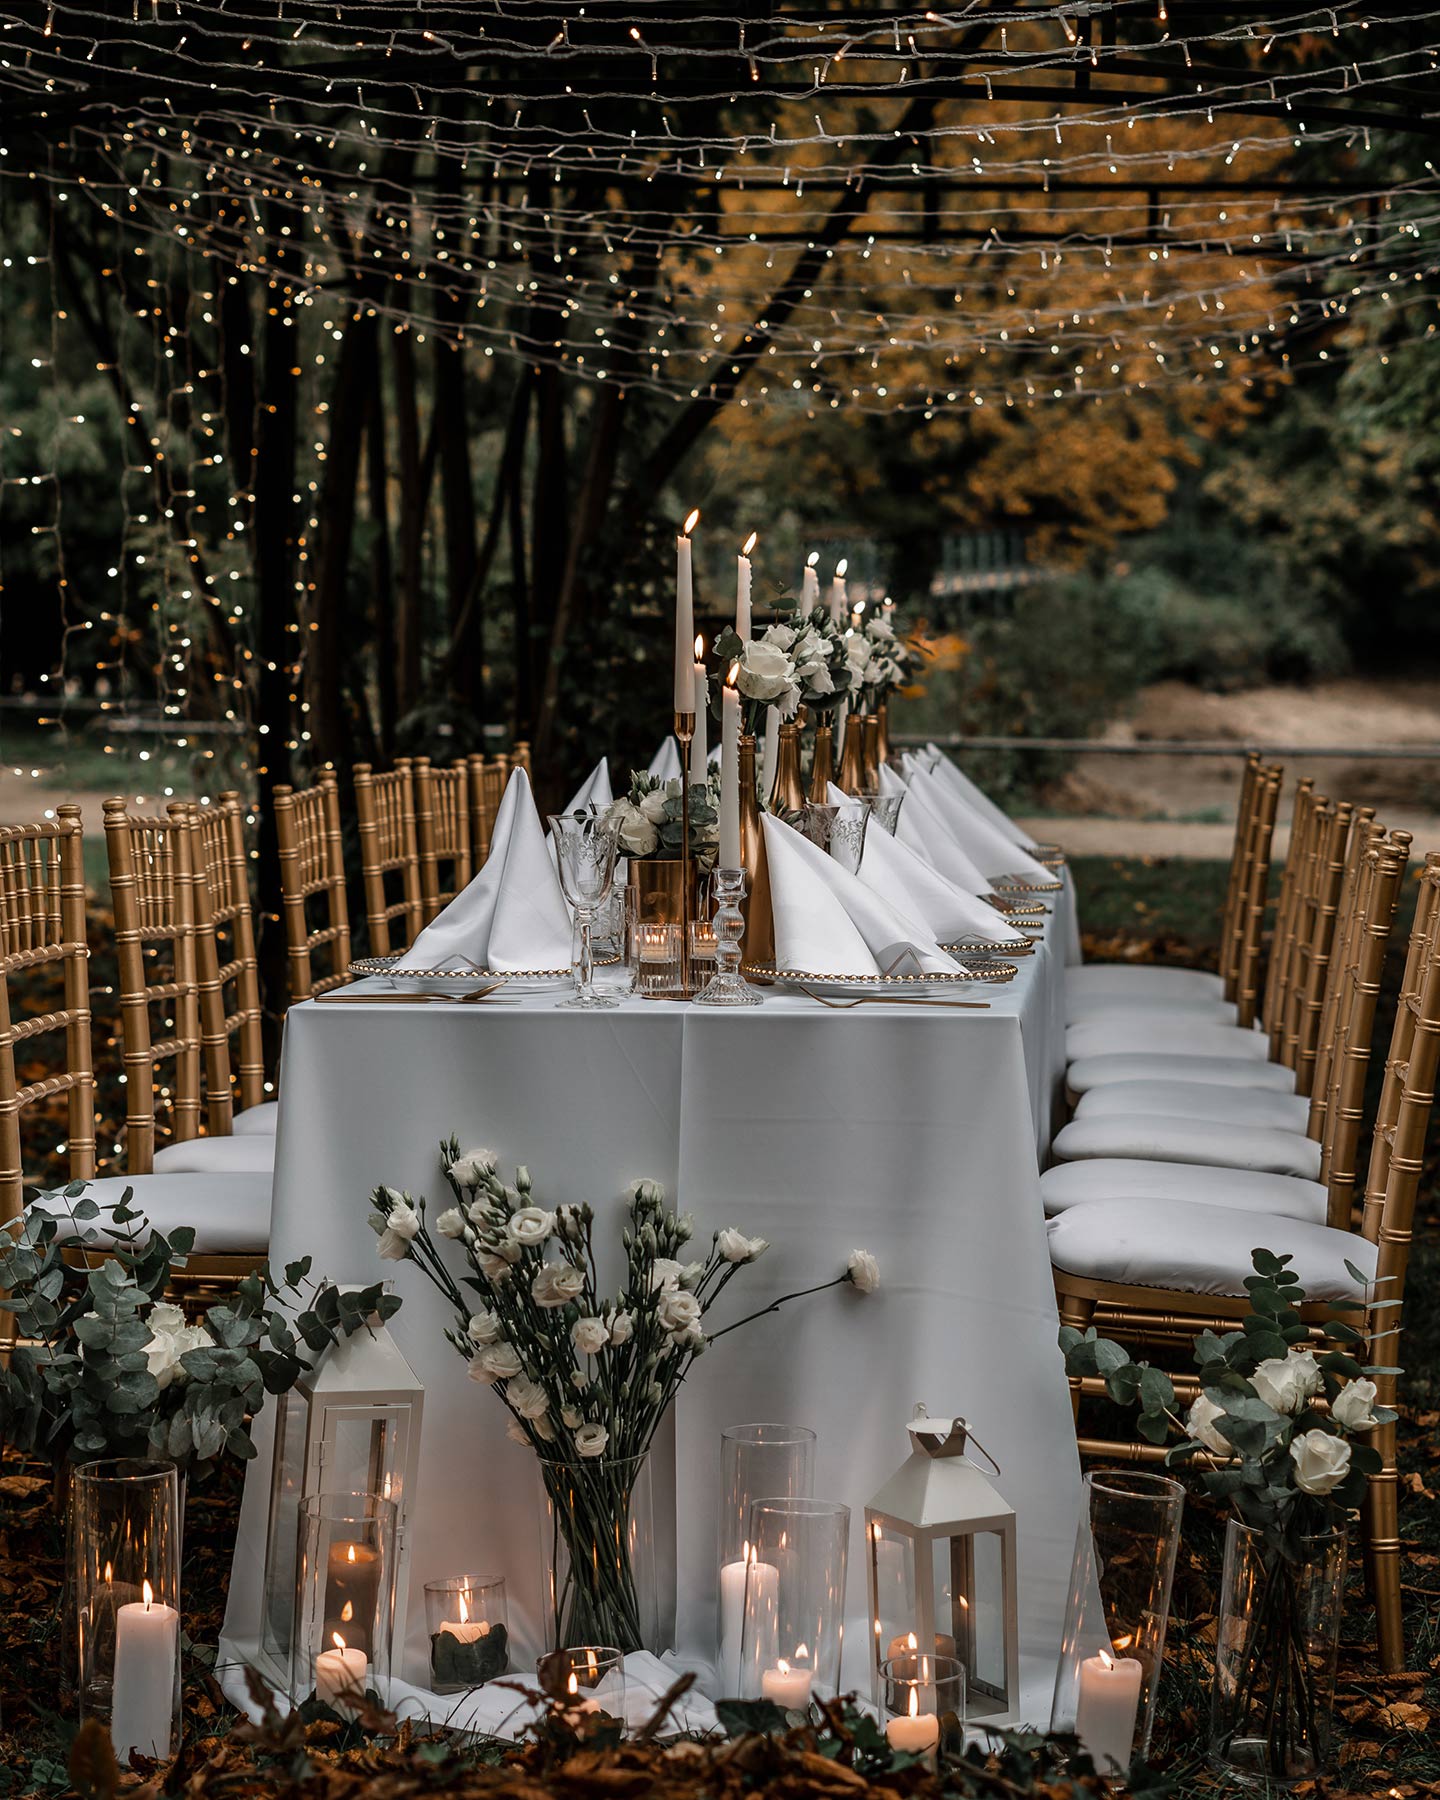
x=1143 y=981
x=1187 y=1007
x=1197 y=1100
x=1129 y=1178
x=1202 y=1249
x=218 y=1156
x=1089 y=1072
x=1160 y=1138
x=257 y=1121
x=1162 y=1037
x=230 y=1213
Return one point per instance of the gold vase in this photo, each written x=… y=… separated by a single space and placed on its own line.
x=824 y=762
x=657 y=887
x=870 y=752
x=882 y=716
x=758 y=943
x=851 y=779
x=787 y=791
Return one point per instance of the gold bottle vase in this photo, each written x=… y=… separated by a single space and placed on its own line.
x=656 y=884
x=851 y=779
x=787 y=791
x=823 y=762
x=882 y=717
x=757 y=945
x=870 y=752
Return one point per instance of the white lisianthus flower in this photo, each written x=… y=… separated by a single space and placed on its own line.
x=764 y=672
x=570 y=1419
x=678 y=1311
x=637 y=835
x=693 y=1340
x=1200 y=1423
x=531 y=1226
x=501 y=1362
x=782 y=636
x=1354 y=1406
x=451 y=1222
x=857 y=653
x=477 y=1371
x=527 y=1397
x=622 y=1328
x=556 y=1284
x=1287 y=1382
x=543 y=1429
x=863 y=1270
x=470 y=1169
x=592 y=1440
x=647 y=1193
x=733 y=1245
x=665 y=1272
x=579 y=1380
x=815 y=678
x=1322 y=1461
x=494 y=1267
x=589 y=1336
x=517 y=1434
x=484 y=1327
x=403 y=1220
x=393 y=1245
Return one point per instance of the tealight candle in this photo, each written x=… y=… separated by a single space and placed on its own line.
x=787 y=1687
x=657 y=943
x=1106 y=1708
x=575 y=1701
x=340 y=1673
x=917 y=1732
x=147 y=1644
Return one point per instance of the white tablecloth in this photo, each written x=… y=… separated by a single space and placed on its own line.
x=912 y=1132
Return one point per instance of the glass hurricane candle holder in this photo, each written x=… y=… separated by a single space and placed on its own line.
x=344 y=1598
x=655 y=950
x=921 y=1691
x=756 y=1462
x=794 y=1609
x=125 y=1551
x=727 y=986
x=592 y=1677
x=469 y=1632
x=1116 y=1614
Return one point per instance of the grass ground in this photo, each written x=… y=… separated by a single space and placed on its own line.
x=1387 y=1725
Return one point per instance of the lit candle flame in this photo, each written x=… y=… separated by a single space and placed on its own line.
x=801 y=1650
x=347 y=1612
x=699 y=648
x=1107 y=1659
x=337 y=1640
x=148 y=1594
x=812 y=559
x=591 y=1665
x=464 y=1610
x=750 y=543
x=572 y=1686
x=842 y=566
x=1123 y=1643
x=782 y=1666
x=911 y=1641
x=859 y=606
x=734 y=671
x=109 y=1572
x=692 y=520
x=914 y=1703
x=349 y=1553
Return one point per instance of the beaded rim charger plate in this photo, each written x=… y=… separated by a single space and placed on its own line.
x=986 y=947
x=891 y=984
x=1017 y=884
x=385 y=965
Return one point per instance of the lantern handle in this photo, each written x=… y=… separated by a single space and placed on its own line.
x=970 y=1438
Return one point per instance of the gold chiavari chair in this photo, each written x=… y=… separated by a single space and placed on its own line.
x=385 y=813
x=152 y=891
x=520 y=756
x=1305 y=812
x=1254 y=896
x=442 y=832
x=487 y=789
x=312 y=871
x=225 y=925
x=1160 y=1274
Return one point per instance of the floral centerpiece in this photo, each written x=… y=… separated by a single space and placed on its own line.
x=648 y=820
x=765 y=671
x=881 y=659
x=105 y=1366
x=586 y=1377
x=1276 y=1426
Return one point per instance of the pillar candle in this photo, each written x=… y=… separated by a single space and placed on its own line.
x=684 y=621
x=147 y=1646
x=1106 y=1708
x=918 y=1732
x=810 y=585
x=352 y=1585
x=787 y=1687
x=340 y=1672
x=742 y=589
x=729 y=776
x=700 y=746
x=764 y=1596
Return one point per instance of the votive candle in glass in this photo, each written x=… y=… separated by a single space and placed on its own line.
x=469 y=1632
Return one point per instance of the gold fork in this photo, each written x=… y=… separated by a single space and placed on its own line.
x=895 y=1000
x=386 y=997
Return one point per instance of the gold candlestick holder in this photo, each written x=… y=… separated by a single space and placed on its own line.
x=684 y=736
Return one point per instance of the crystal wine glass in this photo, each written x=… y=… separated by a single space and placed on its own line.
x=884 y=810
x=585 y=850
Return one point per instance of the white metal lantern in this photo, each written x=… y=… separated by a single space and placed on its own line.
x=350 y=1425
x=940 y=1566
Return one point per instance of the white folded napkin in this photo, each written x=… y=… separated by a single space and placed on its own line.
x=890 y=782
x=594 y=791
x=829 y=923
x=954 y=777
x=513 y=915
x=902 y=876
x=989 y=848
x=665 y=763
x=923 y=830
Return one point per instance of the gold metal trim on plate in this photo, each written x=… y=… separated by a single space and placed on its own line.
x=1017 y=884
x=768 y=972
x=385 y=965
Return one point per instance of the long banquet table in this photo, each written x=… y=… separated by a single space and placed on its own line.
x=910 y=1131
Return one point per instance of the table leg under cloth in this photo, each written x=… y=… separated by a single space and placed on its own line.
x=912 y=1133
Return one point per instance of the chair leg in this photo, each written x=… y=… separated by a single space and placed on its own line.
x=1076 y=1310
x=1381 y=1524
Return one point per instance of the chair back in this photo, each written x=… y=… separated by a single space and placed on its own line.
x=152 y=890
x=1317 y=920
x=1254 y=894
x=312 y=879
x=487 y=789
x=442 y=832
x=1298 y=871
x=42 y=926
x=225 y=963
x=385 y=813
x=1239 y=865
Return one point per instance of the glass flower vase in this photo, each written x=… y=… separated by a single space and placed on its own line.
x=599 y=1555
x=1277 y=1636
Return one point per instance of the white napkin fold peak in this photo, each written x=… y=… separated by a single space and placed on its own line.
x=594 y=790
x=828 y=922
x=989 y=848
x=951 y=775
x=513 y=915
x=665 y=763
x=924 y=830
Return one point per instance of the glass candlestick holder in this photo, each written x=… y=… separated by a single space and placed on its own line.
x=727 y=986
x=469 y=1632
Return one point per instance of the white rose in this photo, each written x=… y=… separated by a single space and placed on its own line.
x=879 y=626
x=1286 y=1382
x=556 y=1284
x=471 y=1168
x=816 y=677
x=527 y=1397
x=863 y=1271
x=589 y=1336
x=591 y=1440
x=765 y=672
x=162 y=1359
x=638 y=837
x=165 y=1318
x=653 y=805
x=501 y=1362
x=451 y=1222
x=191 y=1337
x=665 y=1272
x=857 y=652
x=782 y=636
x=622 y=1328
x=1322 y=1461
x=678 y=1310
x=484 y=1327
x=531 y=1225
x=1354 y=1405
x=1200 y=1423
